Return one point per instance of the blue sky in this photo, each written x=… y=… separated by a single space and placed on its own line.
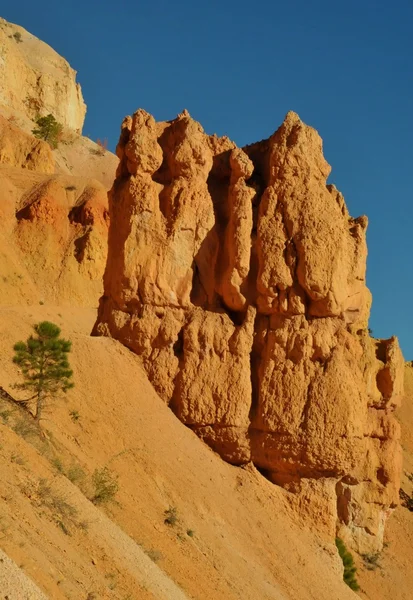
x=239 y=67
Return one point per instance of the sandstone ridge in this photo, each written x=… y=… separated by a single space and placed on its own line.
x=239 y=278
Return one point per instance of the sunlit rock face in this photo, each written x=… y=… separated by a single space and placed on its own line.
x=35 y=80
x=239 y=278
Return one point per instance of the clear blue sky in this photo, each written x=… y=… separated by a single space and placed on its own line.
x=238 y=67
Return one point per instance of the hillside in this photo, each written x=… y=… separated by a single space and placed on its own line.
x=231 y=413
x=244 y=543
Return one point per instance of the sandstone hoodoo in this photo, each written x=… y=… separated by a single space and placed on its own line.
x=239 y=278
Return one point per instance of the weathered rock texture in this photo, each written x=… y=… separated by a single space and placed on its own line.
x=35 y=80
x=53 y=234
x=18 y=149
x=53 y=238
x=239 y=278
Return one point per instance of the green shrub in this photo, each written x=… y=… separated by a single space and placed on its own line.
x=44 y=365
x=75 y=473
x=171 y=516
x=349 y=575
x=57 y=463
x=74 y=415
x=105 y=484
x=48 y=129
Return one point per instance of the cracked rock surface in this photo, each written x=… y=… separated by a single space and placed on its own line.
x=238 y=276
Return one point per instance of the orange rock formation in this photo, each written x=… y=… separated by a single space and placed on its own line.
x=53 y=240
x=239 y=278
x=18 y=149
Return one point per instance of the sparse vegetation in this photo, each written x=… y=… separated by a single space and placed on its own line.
x=48 y=129
x=4 y=415
x=17 y=459
x=62 y=526
x=18 y=37
x=102 y=146
x=75 y=474
x=24 y=428
x=112 y=580
x=371 y=561
x=70 y=188
x=61 y=511
x=105 y=486
x=74 y=415
x=44 y=366
x=349 y=575
x=406 y=500
x=57 y=463
x=171 y=516
x=190 y=532
x=54 y=501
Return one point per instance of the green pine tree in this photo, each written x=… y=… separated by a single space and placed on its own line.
x=349 y=575
x=44 y=365
x=48 y=130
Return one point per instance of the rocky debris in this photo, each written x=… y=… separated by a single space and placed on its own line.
x=239 y=278
x=35 y=80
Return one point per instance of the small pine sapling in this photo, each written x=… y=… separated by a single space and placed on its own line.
x=44 y=366
x=48 y=129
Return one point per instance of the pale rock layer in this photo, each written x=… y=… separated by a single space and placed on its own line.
x=35 y=80
x=239 y=278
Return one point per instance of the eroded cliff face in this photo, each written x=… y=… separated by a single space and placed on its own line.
x=18 y=149
x=53 y=234
x=239 y=278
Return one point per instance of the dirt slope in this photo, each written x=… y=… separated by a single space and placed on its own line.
x=14 y=581
x=234 y=538
x=75 y=154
